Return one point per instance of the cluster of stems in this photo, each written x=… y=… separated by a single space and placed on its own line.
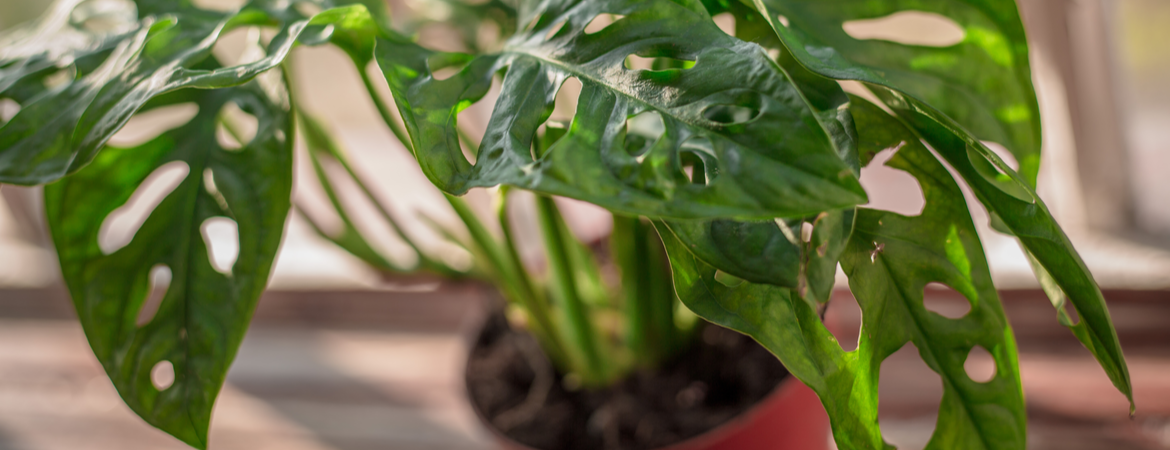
x=594 y=329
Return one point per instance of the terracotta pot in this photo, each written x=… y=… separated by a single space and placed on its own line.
x=790 y=418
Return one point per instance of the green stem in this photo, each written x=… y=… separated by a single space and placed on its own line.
x=537 y=307
x=511 y=278
x=564 y=287
x=646 y=284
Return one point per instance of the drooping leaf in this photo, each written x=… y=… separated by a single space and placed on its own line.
x=1014 y=205
x=954 y=97
x=764 y=151
x=890 y=259
x=984 y=82
x=204 y=314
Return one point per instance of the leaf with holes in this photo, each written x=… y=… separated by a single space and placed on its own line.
x=982 y=79
x=1017 y=209
x=953 y=97
x=890 y=259
x=206 y=309
x=78 y=84
x=763 y=151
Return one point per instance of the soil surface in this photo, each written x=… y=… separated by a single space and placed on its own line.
x=515 y=387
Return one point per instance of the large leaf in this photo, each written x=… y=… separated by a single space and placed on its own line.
x=764 y=151
x=890 y=259
x=203 y=317
x=954 y=97
x=1016 y=208
x=983 y=82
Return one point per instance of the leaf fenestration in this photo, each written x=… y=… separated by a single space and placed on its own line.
x=984 y=82
x=890 y=259
x=202 y=319
x=778 y=161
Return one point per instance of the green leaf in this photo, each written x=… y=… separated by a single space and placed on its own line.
x=984 y=82
x=985 y=93
x=764 y=151
x=77 y=87
x=1016 y=206
x=204 y=314
x=890 y=259
x=773 y=252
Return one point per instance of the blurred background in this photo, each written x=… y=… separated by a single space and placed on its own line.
x=343 y=357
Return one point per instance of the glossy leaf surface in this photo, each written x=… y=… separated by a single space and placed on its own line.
x=1017 y=207
x=984 y=82
x=204 y=314
x=890 y=259
x=981 y=90
x=764 y=151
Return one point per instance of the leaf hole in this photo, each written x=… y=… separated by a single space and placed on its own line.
x=842 y=318
x=237 y=46
x=160 y=281
x=235 y=128
x=919 y=390
x=601 y=22
x=565 y=104
x=226 y=6
x=980 y=365
x=783 y=21
x=162 y=375
x=473 y=120
x=908 y=27
x=890 y=189
x=1003 y=153
x=693 y=167
x=806 y=232
x=726 y=22
x=727 y=279
x=657 y=63
x=944 y=301
x=120 y=226
x=221 y=235
x=697 y=156
x=60 y=78
x=556 y=28
x=8 y=109
x=148 y=125
x=642 y=131
x=730 y=114
x=547 y=134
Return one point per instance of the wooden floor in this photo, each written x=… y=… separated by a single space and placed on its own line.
x=376 y=370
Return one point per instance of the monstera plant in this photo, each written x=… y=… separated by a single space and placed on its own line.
x=747 y=173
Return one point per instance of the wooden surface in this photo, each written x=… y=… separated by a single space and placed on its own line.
x=381 y=370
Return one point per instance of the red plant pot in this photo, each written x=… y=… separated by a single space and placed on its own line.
x=790 y=418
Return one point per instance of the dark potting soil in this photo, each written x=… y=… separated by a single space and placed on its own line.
x=723 y=374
